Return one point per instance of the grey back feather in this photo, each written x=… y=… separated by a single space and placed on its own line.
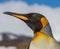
x=47 y=30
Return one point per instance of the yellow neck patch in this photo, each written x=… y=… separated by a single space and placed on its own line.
x=44 y=21
x=40 y=35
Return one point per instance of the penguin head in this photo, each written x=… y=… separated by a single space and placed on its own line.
x=35 y=21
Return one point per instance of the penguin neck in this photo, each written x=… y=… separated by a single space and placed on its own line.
x=38 y=33
x=41 y=35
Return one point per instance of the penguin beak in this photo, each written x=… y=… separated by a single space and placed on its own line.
x=20 y=16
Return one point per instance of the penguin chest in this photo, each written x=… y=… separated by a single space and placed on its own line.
x=42 y=42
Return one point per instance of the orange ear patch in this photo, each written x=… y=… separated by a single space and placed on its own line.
x=44 y=21
x=20 y=17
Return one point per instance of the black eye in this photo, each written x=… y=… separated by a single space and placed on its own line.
x=33 y=19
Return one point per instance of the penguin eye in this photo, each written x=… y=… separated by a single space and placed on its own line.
x=33 y=19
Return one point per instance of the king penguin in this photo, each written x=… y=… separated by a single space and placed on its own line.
x=43 y=38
